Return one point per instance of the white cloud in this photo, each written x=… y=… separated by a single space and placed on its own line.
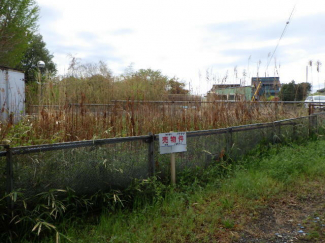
x=175 y=37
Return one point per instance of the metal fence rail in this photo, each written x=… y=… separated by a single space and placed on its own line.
x=120 y=105
x=89 y=166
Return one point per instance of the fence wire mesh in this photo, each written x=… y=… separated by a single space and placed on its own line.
x=84 y=169
x=243 y=141
x=111 y=163
x=321 y=123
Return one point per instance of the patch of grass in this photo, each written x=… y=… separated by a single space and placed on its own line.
x=313 y=235
x=228 y=223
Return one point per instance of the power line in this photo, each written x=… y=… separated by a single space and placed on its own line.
x=283 y=32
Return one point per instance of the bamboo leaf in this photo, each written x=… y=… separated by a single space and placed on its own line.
x=39 y=229
x=36 y=225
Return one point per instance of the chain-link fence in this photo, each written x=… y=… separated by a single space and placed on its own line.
x=89 y=166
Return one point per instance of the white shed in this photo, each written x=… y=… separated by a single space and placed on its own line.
x=12 y=94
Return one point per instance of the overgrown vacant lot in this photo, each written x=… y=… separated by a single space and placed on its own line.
x=60 y=123
x=273 y=195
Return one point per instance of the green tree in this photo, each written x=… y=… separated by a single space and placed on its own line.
x=152 y=76
x=35 y=52
x=145 y=84
x=287 y=92
x=294 y=92
x=18 y=21
x=176 y=87
x=154 y=85
x=302 y=90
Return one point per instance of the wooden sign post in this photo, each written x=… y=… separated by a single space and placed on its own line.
x=171 y=143
x=172 y=169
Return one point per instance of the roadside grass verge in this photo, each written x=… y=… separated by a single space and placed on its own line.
x=213 y=211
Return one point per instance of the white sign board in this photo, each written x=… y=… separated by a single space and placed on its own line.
x=172 y=142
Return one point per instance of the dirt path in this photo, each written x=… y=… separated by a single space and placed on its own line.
x=297 y=217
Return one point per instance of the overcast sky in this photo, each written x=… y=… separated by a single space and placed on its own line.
x=189 y=39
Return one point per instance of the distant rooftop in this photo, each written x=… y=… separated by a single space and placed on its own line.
x=9 y=68
x=265 y=79
x=223 y=86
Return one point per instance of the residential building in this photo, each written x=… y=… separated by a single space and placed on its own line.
x=230 y=92
x=265 y=87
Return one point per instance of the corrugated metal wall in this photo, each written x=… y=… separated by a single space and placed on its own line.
x=12 y=94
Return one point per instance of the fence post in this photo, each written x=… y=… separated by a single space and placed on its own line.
x=9 y=175
x=151 y=158
x=229 y=141
x=310 y=109
x=294 y=131
x=312 y=124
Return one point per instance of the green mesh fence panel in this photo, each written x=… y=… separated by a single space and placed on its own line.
x=302 y=128
x=321 y=123
x=84 y=169
x=244 y=141
x=201 y=150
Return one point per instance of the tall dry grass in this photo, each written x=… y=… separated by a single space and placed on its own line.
x=131 y=118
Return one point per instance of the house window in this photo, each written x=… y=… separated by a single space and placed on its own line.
x=231 y=97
